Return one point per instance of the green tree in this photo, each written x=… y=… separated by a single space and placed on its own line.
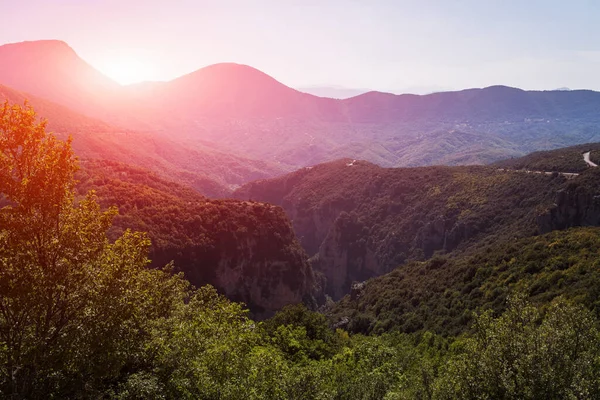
x=67 y=295
x=301 y=333
x=527 y=355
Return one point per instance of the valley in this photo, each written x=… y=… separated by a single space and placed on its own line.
x=221 y=235
x=232 y=110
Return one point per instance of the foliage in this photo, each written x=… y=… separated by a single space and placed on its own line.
x=440 y=295
x=568 y=159
x=363 y=220
x=200 y=235
x=301 y=334
x=59 y=275
x=82 y=316
x=524 y=355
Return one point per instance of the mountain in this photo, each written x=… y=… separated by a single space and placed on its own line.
x=211 y=172
x=236 y=91
x=358 y=220
x=247 y=250
x=52 y=70
x=236 y=109
x=567 y=159
x=441 y=295
x=387 y=129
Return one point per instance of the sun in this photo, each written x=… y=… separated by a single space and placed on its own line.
x=128 y=70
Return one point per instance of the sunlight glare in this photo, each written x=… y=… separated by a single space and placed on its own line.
x=128 y=70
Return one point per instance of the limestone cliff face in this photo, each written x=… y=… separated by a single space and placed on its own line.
x=313 y=225
x=349 y=253
x=250 y=253
x=357 y=220
x=266 y=270
x=442 y=234
x=345 y=256
x=573 y=207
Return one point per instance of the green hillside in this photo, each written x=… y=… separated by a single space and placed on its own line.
x=568 y=159
x=442 y=294
x=359 y=220
x=242 y=248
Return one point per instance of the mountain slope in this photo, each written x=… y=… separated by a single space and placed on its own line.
x=238 y=91
x=359 y=220
x=248 y=251
x=237 y=109
x=211 y=172
x=440 y=295
x=52 y=70
x=568 y=159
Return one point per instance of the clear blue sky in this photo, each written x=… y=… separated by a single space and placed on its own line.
x=376 y=44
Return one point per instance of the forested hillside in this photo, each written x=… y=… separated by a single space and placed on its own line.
x=568 y=159
x=441 y=295
x=246 y=250
x=358 y=220
x=212 y=173
x=83 y=315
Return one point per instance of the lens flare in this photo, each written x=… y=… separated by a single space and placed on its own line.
x=128 y=70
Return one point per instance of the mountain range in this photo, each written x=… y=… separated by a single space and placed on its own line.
x=229 y=130
x=232 y=110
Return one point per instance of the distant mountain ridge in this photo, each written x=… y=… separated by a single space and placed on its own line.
x=237 y=109
x=358 y=220
x=210 y=172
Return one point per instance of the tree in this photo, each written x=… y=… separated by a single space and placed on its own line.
x=67 y=295
x=301 y=333
x=525 y=354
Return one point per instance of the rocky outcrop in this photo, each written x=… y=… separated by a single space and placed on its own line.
x=346 y=256
x=250 y=253
x=313 y=225
x=573 y=207
x=441 y=234
x=246 y=249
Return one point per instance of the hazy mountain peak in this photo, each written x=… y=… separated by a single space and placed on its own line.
x=505 y=88
x=39 y=43
x=231 y=67
x=52 y=69
x=230 y=74
x=38 y=48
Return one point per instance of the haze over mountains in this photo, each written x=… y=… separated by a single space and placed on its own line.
x=240 y=111
x=241 y=189
x=333 y=92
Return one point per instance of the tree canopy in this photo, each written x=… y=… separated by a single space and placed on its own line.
x=82 y=316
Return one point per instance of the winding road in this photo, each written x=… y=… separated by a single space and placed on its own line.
x=586 y=158
x=568 y=175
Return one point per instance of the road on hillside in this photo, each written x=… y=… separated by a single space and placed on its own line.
x=568 y=175
x=586 y=158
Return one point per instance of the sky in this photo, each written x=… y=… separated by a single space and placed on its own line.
x=387 y=45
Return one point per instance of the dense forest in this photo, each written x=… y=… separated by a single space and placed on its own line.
x=84 y=315
x=358 y=220
x=247 y=250
x=441 y=295
x=568 y=159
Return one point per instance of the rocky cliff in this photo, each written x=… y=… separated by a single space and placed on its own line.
x=358 y=220
x=247 y=250
x=573 y=207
